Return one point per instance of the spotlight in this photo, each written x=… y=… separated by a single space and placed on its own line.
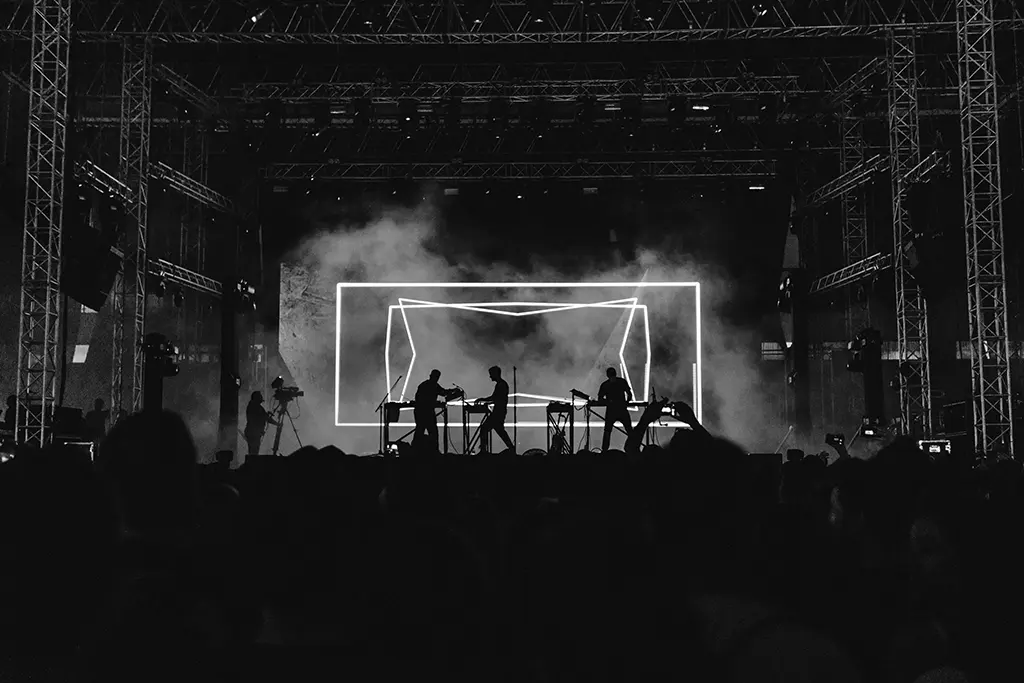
x=756 y=188
x=701 y=107
x=179 y=299
x=160 y=289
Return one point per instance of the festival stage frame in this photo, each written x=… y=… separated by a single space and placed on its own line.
x=509 y=308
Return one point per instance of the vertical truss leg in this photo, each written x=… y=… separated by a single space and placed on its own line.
x=192 y=243
x=855 y=240
x=911 y=309
x=5 y=120
x=38 y=348
x=130 y=293
x=983 y=217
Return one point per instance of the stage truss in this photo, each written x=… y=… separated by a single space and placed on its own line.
x=983 y=217
x=39 y=347
x=129 y=294
x=911 y=308
x=500 y=22
x=915 y=92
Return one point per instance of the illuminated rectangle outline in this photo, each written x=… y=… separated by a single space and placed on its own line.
x=699 y=401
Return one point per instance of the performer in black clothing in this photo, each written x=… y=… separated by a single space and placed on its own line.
x=96 y=420
x=425 y=410
x=256 y=420
x=616 y=395
x=496 y=420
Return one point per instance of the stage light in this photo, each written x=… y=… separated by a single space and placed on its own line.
x=701 y=107
x=519 y=196
x=179 y=299
x=756 y=188
x=159 y=289
x=496 y=308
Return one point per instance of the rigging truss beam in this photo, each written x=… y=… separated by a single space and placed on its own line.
x=38 y=334
x=193 y=189
x=196 y=282
x=848 y=275
x=102 y=181
x=437 y=22
x=523 y=170
x=850 y=180
x=840 y=98
x=936 y=162
x=863 y=172
x=130 y=289
x=983 y=217
x=911 y=308
x=184 y=89
x=555 y=83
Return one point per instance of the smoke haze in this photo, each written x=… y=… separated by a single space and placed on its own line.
x=560 y=352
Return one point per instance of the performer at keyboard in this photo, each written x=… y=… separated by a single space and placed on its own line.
x=615 y=394
x=425 y=411
x=496 y=420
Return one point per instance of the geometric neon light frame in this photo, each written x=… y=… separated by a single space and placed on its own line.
x=506 y=308
x=509 y=308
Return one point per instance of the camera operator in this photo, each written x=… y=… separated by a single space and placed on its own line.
x=256 y=420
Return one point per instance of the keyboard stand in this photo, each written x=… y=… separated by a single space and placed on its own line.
x=468 y=442
x=561 y=415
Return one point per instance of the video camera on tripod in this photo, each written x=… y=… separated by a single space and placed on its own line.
x=284 y=394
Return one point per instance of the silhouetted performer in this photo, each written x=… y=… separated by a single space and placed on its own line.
x=96 y=420
x=425 y=410
x=496 y=420
x=256 y=420
x=616 y=395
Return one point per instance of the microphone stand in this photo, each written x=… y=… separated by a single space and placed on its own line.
x=383 y=415
x=515 y=412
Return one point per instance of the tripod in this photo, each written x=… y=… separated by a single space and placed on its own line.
x=281 y=412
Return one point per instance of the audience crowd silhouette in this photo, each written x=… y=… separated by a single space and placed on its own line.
x=691 y=562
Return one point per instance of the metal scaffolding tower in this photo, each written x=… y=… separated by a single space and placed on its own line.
x=986 y=270
x=130 y=290
x=853 y=214
x=911 y=309
x=39 y=347
x=192 y=242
